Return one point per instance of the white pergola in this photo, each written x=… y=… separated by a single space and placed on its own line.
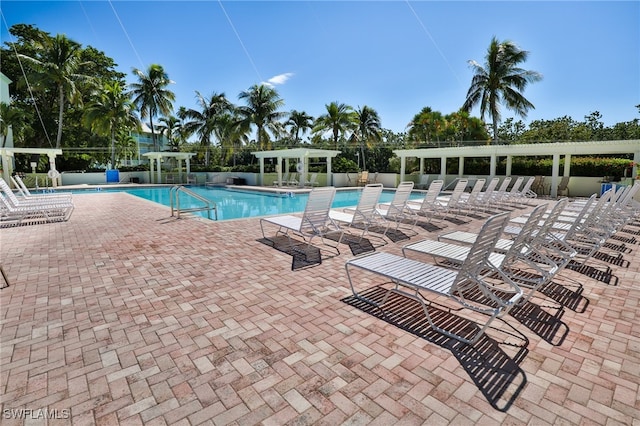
x=566 y=149
x=7 y=164
x=301 y=154
x=160 y=156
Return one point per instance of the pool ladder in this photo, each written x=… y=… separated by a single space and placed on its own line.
x=174 y=196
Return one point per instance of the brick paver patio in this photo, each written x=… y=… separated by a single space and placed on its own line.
x=125 y=316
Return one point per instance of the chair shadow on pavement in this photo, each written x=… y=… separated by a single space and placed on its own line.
x=496 y=373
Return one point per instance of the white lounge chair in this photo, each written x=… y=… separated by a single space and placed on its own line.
x=411 y=277
x=520 y=259
x=313 y=180
x=14 y=212
x=429 y=206
x=314 y=222
x=452 y=202
x=26 y=193
x=397 y=211
x=365 y=215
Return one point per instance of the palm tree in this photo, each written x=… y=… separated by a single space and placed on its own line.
x=339 y=118
x=170 y=127
x=299 y=122
x=261 y=110
x=229 y=132
x=501 y=80
x=203 y=122
x=110 y=112
x=151 y=96
x=57 y=64
x=368 y=130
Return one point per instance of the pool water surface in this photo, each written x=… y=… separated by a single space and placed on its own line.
x=238 y=204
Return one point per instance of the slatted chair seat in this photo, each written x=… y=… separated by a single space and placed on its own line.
x=410 y=277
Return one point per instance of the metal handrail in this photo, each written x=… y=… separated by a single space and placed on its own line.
x=174 y=198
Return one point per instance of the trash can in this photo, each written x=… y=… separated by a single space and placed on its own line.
x=113 y=176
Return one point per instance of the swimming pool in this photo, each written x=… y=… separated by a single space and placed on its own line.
x=238 y=204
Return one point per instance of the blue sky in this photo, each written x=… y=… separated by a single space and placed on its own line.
x=394 y=56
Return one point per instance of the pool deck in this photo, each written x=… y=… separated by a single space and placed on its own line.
x=124 y=315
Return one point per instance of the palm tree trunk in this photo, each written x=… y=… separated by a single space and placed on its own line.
x=113 y=148
x=60 y=115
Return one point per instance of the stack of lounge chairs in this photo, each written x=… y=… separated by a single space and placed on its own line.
x=28 y=208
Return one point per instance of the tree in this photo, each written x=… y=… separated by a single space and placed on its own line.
x=111 y=112
x=203 y=122
x=368 y=130
x=500 y=80
x=427 y=125
x=10 y=118
x=299 y=122
x=170 y=127
x=56 y=63
x=151 y=96
x=261 y=110
x=340 y=118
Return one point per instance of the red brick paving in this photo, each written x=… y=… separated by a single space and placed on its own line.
x=124 y=315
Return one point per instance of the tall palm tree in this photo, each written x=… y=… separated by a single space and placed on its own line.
x=500 y=80
x=151 y=96
x=110 y=112
x=57 y=63
x=340 y=118
x=203 y=122
x=368 y=130
x=229 y=132
x=299 y=122
x=261 y=110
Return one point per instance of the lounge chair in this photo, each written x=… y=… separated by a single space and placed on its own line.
x=314 y=222
x=521 y=259
x=14 y=212
x=365 y=215
x=363 y=178
x=191 y=179
x=397 y=211
x=293 y=181
x=429 y=206
x=423 y=183
x=313 y=180
x=283 y=182
x=33 y=201
x=27 y=195
x=169 y=178
x=452 y=202
x=563 y=186
x=411 y=277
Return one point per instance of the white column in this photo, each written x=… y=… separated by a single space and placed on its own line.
x=460 y=166
x=261 y=171
x=403 y=167
x=443 y=168
x=55 y=180
x=188 y=161
x=279 y=171
x=180 y=170
x=567 y=165
x=150 y=170
x=555 y=170
x=492 y=167
x=7 y=167
x=159 y=172
x=509 y=163
x=329 y=174
x=421 y=166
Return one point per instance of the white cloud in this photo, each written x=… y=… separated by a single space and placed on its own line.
x=278 y=79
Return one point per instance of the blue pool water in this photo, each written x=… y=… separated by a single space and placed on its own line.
x=234 y=204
